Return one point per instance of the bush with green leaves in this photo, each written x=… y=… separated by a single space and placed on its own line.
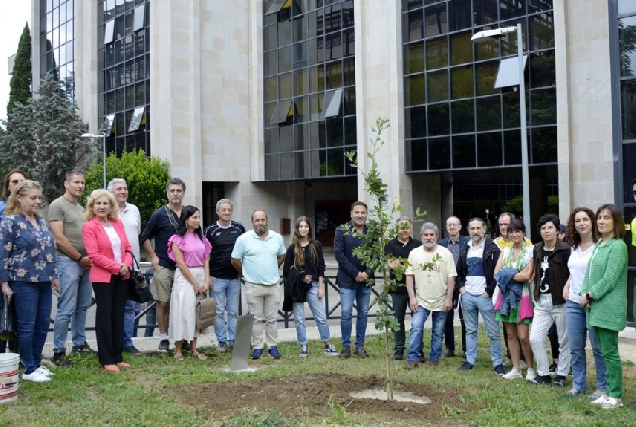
x=146 y=178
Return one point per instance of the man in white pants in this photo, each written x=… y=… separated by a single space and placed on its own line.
x=551 y=273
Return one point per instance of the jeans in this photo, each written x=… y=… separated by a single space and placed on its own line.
x=32 y=302
x=130 y=310
x=263 y=302
x=417 y=328
x=76 y=297
x=317 y=308
x=400 y=302
x=577 y=331
x=226 y=292
x=472 y=305
x=362 y=296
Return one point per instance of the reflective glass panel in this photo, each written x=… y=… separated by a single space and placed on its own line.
x=488 y=113
x=464 y=151
x=414 y=58
x=436 y=20
x=511 y=8
x=485 y=12
x=301 y=82
x=542 y=69
x=439 y=153
x=459 y=14
x=335 y=161
x=416 y=122
x=627 y=45
x=414 y=88
x=437 y=85
x=436 y=53
x=486 y=74
x=413 y=25
x=462 y=82
x=461 y=48
x=489 y=149
x=544 y=144
x=335 y=134
x=543 y=107
x=512 y=147
x=628 y=108
x=334 y=74
x=541 y=31
x=416 y=155
x=438 y=119
x=511 y=111
x=463 y=116
x=285 y=85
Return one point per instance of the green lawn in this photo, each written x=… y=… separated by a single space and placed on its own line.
x=152 y=394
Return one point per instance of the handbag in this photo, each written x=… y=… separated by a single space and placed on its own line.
x=7 y=319
x=205 y=312
x=138 y=286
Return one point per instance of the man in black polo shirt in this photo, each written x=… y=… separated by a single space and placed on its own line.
x=400 y=247
x=161 y=226
x=226 y=287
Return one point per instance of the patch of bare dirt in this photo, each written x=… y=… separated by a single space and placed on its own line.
x=307 y=396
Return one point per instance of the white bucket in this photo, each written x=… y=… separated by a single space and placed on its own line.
x=9 y=376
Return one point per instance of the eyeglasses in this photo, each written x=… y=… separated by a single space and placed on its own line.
x=17 y=181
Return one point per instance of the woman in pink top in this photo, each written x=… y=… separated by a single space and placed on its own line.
x=190 y=250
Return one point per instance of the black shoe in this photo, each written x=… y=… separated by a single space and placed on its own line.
x=553 y=368
x=541 y=379
x=361 y=352
x=164 y=346
x=466 y=366
x=60 y=359
x=633 y=406
x=345 y=353
x=559 y=381
x=449 y=353
x=422 y=358
x=434 y=362
x=500 y=370
x=132 y=350
x=83 y=348
x=185 y=346
x=399 y=355
x=410 y=365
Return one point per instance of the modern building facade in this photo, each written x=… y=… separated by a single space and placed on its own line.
x=259 y=100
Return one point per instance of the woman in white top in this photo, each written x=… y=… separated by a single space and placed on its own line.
x=582 y=234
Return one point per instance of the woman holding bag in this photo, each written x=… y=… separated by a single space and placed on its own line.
x=110 y=253
x=190 y=250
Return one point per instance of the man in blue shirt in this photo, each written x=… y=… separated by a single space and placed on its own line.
x=353 y=279
x=256 y=256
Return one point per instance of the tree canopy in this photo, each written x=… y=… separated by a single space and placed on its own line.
x=21 y=76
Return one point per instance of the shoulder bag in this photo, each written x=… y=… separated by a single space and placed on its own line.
x=205 y=312
x=138 y=287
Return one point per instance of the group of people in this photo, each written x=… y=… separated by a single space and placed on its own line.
x=574 y=282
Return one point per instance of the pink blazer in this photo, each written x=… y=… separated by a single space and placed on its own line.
x=100 y=250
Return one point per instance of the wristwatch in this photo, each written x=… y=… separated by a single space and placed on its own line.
x=79 y=259
x=589 y=296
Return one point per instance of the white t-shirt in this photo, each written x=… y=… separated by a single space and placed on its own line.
x=475 y=285
x=431 y=287
x=115 y=241
x=577 y=264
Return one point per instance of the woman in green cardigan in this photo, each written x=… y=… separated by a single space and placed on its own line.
x=604 y=294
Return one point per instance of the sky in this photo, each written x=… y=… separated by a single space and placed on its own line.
x=15 y=13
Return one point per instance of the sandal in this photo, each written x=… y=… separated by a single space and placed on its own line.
x=178 y=356
x=199 y=356
x=611 y=403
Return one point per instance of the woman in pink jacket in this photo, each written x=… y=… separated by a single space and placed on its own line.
x=110 y=254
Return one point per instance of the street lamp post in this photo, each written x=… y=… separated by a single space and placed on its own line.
x=525 y=174
x=103 y=136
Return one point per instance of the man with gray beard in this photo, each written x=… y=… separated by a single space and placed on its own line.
x=256 y=256
x=430 y=281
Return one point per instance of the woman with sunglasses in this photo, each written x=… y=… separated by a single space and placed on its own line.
x=29 y=270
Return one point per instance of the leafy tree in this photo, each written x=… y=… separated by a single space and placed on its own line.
x=21 y=75
x=380 y=229
x=146 y=179
x=43 y=138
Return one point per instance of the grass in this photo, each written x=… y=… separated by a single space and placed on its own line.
x=87 y=395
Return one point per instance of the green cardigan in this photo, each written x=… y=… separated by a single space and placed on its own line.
x=606 y=279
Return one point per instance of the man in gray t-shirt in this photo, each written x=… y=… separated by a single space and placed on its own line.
x=66 y=218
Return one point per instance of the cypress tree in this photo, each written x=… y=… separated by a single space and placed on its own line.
x=21 y=76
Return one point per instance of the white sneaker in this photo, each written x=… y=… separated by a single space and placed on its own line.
x=513 y=374
x=600 y=400
x=45 y=371
x=523 y=365
x=531 y=374
x=36 y=376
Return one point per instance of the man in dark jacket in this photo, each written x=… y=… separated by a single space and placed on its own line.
x=352 y=279
x=551 y=273
x=454 y=243
x=400 y=247
x=476 y=284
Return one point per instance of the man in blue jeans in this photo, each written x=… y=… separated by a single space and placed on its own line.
x=431 y=275
x=353 y=279
x=66 y=217
x=476 y=284
x=226 y=286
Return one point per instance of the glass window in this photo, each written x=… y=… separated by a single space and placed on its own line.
x=436 y=53
x=275 y=7
x=350 y=131
x=269 y=112
x=271 y=167
x=334 y=74
x=318 y=135
x=415 y=90
x=314 y=24
x=270 y=62
x=109 y=31
x=413 y=25
x=542 y=69
x=464 y=151
x=301 y=82
x=628 y=108
x=284 y=59
x=439 y=153
x=512 y=147
x=270 y=37
x=299 y=53
x=349 y=73
x=334 y=132
x=487 y=49
x=333 y=100
x=271 y=89
x=301 y=137
x=462 y=82
x=436 y=21
x=489 y=149
x=461 y=48
x=438 y=119
x=316 y=106
x=414 y=58
x=485 y=78
x=135 y=121
x=286 y=140
x=540 y=5
x=463 y=116
x=416 y=155
x=437 y=85
x=140 y=13
x=347 y=13
x=299 y=28
x=319 y=163
x=336 y=161
x=488 y=113
x=543 y=107
x=348 y=42
x=415 y=122
x=541 y=31
x=511 y=8
x=301 y=113
x=302 y=165
x=511 y=118
x=333 y=46
x=459 y=14
x=284 y=33
x=285 y=85
x=629 y=172
x=509 y=41
x=349 y=101
x=271 y=140
x=332 y=18
x=544 y=144
x=485 y=12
